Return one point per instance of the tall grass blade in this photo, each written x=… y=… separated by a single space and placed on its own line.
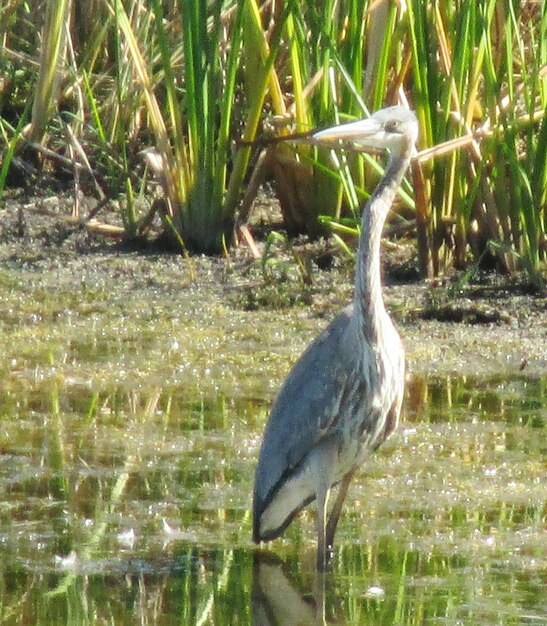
x=52 y=55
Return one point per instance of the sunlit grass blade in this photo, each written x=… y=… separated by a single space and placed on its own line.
x=52 y=53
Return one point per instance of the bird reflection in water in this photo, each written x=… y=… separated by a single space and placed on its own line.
x=277 y=601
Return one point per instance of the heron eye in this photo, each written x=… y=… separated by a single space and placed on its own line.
x=392 y=127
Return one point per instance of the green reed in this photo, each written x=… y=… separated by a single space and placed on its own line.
x=186 y=80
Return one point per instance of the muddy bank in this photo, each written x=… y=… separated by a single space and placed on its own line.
x=491 y=325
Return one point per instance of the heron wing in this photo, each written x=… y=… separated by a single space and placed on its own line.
x=306 y=409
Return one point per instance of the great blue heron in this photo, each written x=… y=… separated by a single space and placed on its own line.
x=342 y=398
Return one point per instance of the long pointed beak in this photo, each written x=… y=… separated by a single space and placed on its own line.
x=355 y=132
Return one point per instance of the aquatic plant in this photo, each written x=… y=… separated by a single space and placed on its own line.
x=185 y=80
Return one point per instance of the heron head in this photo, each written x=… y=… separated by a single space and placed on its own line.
x=393 y=128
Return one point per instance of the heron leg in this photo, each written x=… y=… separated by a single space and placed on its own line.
x=321 y=464
x=336 y=510
x=322 y=501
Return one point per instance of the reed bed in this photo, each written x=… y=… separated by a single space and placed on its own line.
x=168 y=109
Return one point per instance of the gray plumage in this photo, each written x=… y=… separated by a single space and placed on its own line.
x=342 y=398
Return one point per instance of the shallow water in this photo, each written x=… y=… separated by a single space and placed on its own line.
x=128 y=439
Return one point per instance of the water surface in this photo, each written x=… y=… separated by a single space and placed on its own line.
x=128 y=440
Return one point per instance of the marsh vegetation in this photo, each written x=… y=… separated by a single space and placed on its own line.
x=135 y=383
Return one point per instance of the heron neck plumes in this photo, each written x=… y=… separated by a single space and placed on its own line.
x=369 y=302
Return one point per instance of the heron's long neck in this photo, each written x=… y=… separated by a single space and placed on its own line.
x=369 y=302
